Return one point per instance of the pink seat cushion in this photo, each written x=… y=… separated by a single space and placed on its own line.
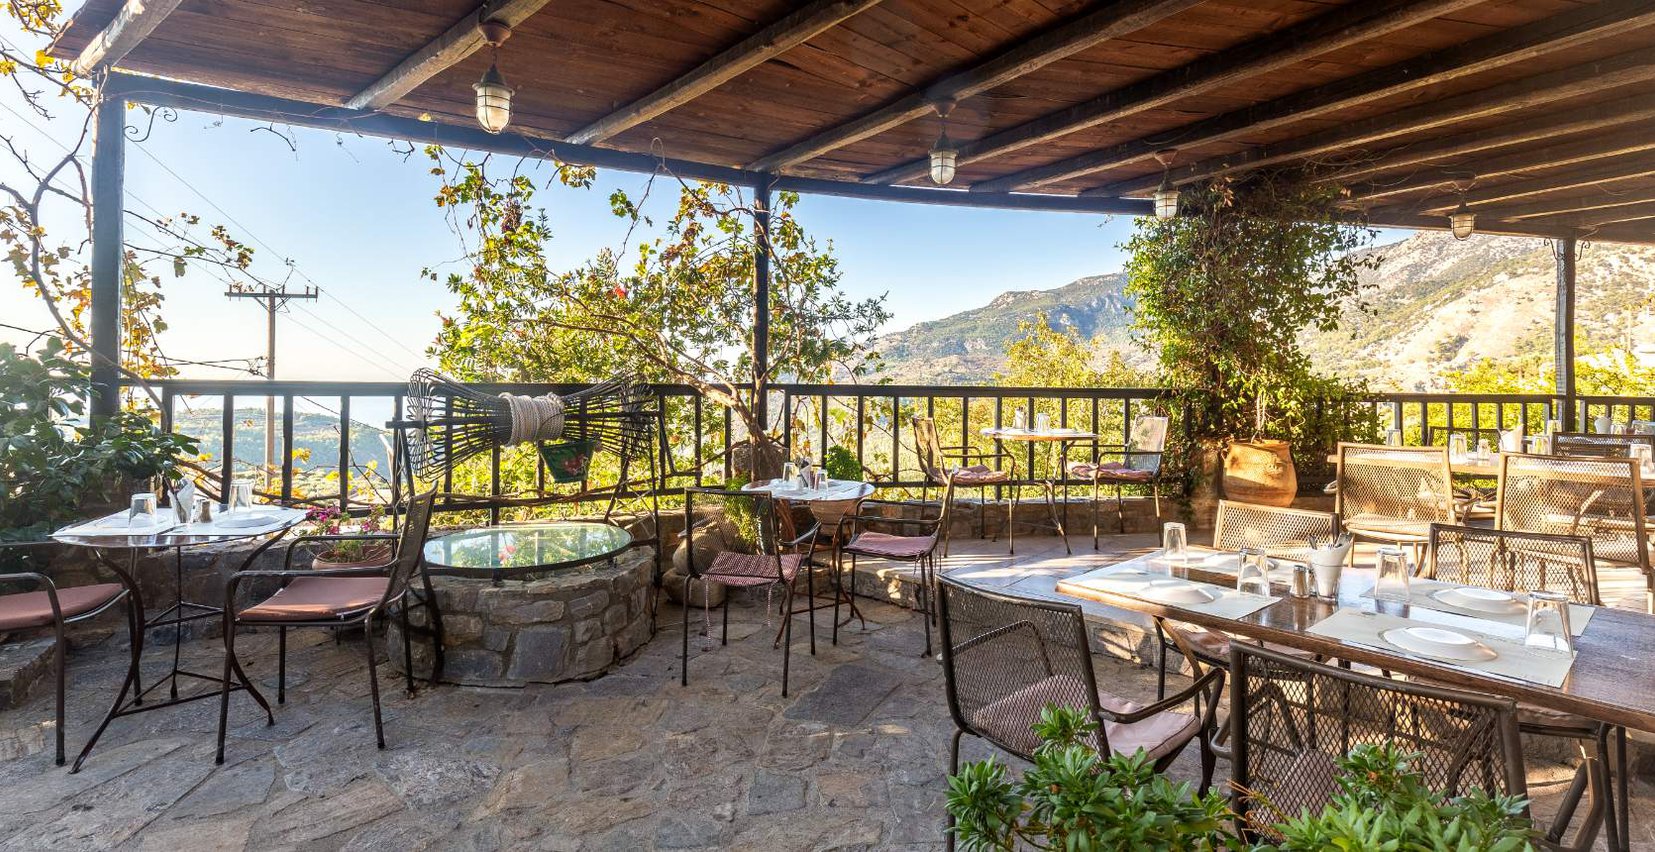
x=1109 y=471
x=886 y=546
x=33 y=609
x=979 y=474
x=1008 y=719
x=751 y=569
x=314 y=598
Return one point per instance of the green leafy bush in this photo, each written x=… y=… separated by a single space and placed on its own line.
x=841 y=463
x=49 y=468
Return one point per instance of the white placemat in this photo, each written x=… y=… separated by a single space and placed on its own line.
x=836 y=489
x=1514 y=661
x=1221 y=562
x=1228 y=603
x=1421 y=594
x=279 y=518
x=115 y=525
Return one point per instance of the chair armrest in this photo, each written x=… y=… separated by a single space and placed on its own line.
x=856 y=522
x=287 y=562
x=807 y=535
x=1208 y=685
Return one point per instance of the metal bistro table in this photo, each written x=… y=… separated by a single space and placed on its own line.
x=520 y=552
x=106 y=545
x=1058 y=440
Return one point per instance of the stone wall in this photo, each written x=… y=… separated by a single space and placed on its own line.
x=566 y=625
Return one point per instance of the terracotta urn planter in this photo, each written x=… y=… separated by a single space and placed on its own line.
x=1260 y=472
x=371 y=557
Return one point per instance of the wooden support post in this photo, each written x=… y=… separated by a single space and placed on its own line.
x=761 y=302
x=108 y=199
x=1563 y=330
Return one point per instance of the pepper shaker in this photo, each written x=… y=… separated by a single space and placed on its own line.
x=1302 y=581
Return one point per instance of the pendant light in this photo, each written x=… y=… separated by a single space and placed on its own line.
x=1166 y=195
x=1462 y=221
x=945 y=156
x=493 y=95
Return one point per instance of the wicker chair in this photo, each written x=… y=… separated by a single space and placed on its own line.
x=336 y=597
x=1005 y=658
x=1291 y=718
x=1599 y=498
x=1394 y=494
x=1139 y=464
x=1593 y=445
x=777 y=563
x=1280 y=532
x=1525 y=562
x=955 y=467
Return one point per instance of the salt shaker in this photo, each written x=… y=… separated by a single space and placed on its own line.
x=1302 y=580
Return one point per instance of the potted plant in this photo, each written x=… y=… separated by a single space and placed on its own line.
x=1222 y=294
x=349 y=553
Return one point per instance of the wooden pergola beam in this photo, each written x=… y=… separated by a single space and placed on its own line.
x=441 y=53
x=783 y=35
x=1521 y=44
x=1593 y=219
x=1611 y=172
x=1634 y=66
x=133 y=23
x=1555 y=206
x=1111 y=21
x=1343 y=26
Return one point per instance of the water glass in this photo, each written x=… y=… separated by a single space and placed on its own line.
x=1548 y=626
x=1393 y=437
x=1553 y=427
x=241 y=495
x=1484 y=452
x=1538 y=445
x=142 y=513
x=1456 y=446
x=1391 y=582
x=1253 y=572
x=1042 y=422
x=1644 y=455
x=1174 y=545
x=790 y=471
x=1017 y=420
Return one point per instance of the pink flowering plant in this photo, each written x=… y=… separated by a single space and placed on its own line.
x=329 y=520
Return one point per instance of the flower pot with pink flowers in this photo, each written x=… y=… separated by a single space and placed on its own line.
x=349 y=553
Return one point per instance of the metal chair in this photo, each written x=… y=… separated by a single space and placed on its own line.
x=1291 y=718
x=57 y=608
x=336 y=597
x=1526 y=562
x=1593 y=445
x=1474 y=501
x=1139 y=464
x=962 y=466
x=777 y=562
x=1599 y=498
x=1005 y=658
x=915 y=543
x=1394 y=494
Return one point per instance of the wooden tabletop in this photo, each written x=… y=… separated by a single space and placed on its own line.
x=1031 y=435
x=1458 y=464
x=1611 y=681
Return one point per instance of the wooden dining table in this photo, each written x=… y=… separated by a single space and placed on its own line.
x=1611 y=680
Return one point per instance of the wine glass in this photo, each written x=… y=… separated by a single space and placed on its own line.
x=1391 y=582
x=1548 y=623
x=1253 y=572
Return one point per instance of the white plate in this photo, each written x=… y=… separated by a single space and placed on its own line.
x=121 y=523
x=1481 y=600
x=1439 y=643
x=1162 y=589
x=245 y=519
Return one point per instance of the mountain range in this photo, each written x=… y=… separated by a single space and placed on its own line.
x=1435 y=305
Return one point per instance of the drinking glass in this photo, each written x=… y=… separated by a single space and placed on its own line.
x=1553 y=427
x=1017 y=419
x=790 y=471
x=1456 y=446
x=1643 y=454
x=241 y=495
x=1391 y=582
x=142 y=513
x=1537 y=445
x=1393 y=437
x=1042 y=422
x=1549 y=622
x=1174 y=546
x=1484 y=452
x=1253 y=572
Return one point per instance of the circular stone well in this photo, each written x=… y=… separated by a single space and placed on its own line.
x=560 y=625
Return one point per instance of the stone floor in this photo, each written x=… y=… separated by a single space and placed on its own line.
x=854 y=758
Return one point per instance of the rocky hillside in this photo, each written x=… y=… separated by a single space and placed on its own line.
x=1437 y=306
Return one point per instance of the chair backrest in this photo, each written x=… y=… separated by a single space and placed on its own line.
x=1514 y=561
x=1149 y=441
x=1406 y=483
x=1292 y=718
x=755 y=517
x=1592 y=445
x=1005 y=658
x=410 y=555
x=1437 y=436
x=1600 y=498
x=929 y=449
x=1278 y=531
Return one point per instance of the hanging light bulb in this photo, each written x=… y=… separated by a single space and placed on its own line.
x=1166 y=195
x=493 y=95
x=945 y=156
x=1462 y=221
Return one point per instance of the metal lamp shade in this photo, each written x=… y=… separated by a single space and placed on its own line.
x=944 y=158
x=1463 y=222
x=1166 y=202
x=493 y=101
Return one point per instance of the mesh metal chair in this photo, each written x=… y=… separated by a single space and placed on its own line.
x=1139 y=463
x=1292 y=718
x=1599 y=498
x=335 y=597
x=1593 y=445
x=1005 y=658
x=1526 y=562
x=1394 y=494
x=778 y=557
x=1475 y=501
x=962 y=466
x=910 y=540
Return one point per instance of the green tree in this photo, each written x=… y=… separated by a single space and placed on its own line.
x=1043 y=356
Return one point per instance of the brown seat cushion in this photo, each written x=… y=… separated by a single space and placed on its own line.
x=750 y=569
x=33 y=609
x=315 y=598
x=1109 y=472
x=1008 y=719
x=888 y=546
x=979 y=474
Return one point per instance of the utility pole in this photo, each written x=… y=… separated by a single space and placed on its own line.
x=274 y=300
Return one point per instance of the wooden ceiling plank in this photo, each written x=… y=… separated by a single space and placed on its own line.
x=445 y=51
x=1093 y=28
x=1592 y=219
x=133 y=23
x=1618 y=170
x=785 y=34
x=1551 y=206
x=1634 y=66
x=1343 y=26
x=1520 y=44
